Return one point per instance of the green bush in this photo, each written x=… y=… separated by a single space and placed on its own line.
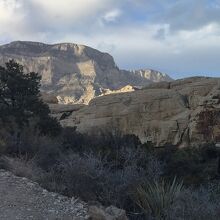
x=200 y=203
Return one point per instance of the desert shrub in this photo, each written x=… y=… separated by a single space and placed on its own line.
x=27 y=142
x=22 y=167
x=197 y=204
x=130 y=168
x=2 y=146
x=156 y=198
x=196 y=165
x=4 y=139
x=48 y=154
x=48 y=126
x=109 y=143
x=73 y=140
x=94 y=177
x=79 y=170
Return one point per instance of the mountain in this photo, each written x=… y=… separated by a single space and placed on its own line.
x=75 y=73
x=181 y=113
x=152 y=75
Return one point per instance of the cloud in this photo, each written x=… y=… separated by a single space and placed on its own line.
x=50 y=15
x=188 y=14
x=181 y=54
x=112 y=15
x=11 y=17
x=68 y=14
x=173 y=36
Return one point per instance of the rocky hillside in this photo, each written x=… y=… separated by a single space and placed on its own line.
x=75 y=73
x=23 y=199
x=179 y=113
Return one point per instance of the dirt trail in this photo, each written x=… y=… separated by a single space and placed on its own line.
x=22 y=199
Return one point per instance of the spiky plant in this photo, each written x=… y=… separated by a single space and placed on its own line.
x=155 y=198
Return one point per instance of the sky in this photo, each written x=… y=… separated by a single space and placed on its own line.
x=177 y=37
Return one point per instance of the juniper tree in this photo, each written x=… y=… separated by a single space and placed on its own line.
x=20 y=99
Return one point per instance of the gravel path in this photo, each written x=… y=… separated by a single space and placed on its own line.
x=22 y=199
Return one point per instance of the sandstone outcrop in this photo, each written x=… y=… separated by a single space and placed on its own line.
x=74 y=73
x=168 y=113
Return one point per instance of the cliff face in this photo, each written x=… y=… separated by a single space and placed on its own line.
x=179 y=113
x=152 y=75
x=74 y=73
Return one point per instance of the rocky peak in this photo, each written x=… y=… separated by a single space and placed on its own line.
x=152 y=75
x=21 y=47
x=74 y=73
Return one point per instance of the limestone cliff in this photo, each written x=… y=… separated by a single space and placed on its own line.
x=179 y=113
x=152 y=75
x=74 y=73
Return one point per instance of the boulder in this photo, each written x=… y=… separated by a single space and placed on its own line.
x=109 y=213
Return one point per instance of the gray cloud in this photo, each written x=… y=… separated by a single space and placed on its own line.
x=193 y=14
x=175 y=36
x=187 y=14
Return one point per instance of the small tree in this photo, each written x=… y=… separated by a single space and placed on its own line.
x=20 y=99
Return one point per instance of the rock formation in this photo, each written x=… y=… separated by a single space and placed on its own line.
x=179 y=113
x=109 y=213
x=152 y=75
x=74 y=73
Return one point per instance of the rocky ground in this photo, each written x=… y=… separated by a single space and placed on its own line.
x=22 y=199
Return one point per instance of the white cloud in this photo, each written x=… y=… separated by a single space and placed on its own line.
x=12 y=18
x=112 y=15
x=37 y=16
x=63 y=14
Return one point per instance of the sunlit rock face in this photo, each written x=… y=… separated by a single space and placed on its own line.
x=182 y=113
x=152 y=75
x=74 y=73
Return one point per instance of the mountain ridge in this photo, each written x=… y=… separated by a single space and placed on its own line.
x=75 y=73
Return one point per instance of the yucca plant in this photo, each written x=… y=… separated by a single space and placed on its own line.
x=155 y=198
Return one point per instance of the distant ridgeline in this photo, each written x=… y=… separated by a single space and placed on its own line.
x=76 y=73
